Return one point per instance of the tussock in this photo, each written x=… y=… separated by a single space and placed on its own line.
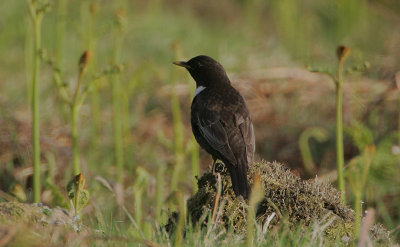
x=292 y=199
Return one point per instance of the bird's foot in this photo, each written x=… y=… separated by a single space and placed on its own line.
x=218 y=167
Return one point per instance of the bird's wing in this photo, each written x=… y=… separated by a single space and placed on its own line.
x=213 y=131
x=247 y=131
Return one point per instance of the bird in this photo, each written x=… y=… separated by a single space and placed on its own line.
x=221 y=121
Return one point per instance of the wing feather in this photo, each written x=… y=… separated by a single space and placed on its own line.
x=215 y=134
x=247 y=131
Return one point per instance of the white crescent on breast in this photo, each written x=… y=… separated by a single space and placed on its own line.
x=199 y=89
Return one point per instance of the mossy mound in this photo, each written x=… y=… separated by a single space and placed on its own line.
x=287 y=196
x=24 y=224
x=36 y=213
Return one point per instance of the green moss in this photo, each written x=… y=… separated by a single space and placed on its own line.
x=284 y=193
x=11 y=211
x=19 y=212
x=38 y=223
x=37 y=215
x=340 y=232
x=292 y=199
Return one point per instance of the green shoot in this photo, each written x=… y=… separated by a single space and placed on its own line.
x=77 y=193
x=343 y=53
x=318 y=133
x=60 y=31
x=37 y=10
x=257 y=194
x=397 y=82
x=91 y=43
x=141 y=183
x=160 y=191
x=357 y=170
x=75 y=100
x=75 y=105
x=116 y=97
x=181 y=219
x=177 y=125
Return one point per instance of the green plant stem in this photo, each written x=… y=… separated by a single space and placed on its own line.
x=181 y=220
x=58 y=64
x=95 y=105
x=318 y=134
x=60 y=31
x=309 y=165
x=178 y=135
x=116 y=105
x=398 y=131
x=255 y=197
x=357 y=182
x=74 y=135
x=178 y=130
x=357 y=212
x=76 y=201
x=339 y=131
x=28 y=64
x=118 y=145
x=62 y=91
x=387 y=218
x=141 y=183
x=138 y=195
x=74 y=127
x=37 y=23
x=94 y=93
x=160 y=191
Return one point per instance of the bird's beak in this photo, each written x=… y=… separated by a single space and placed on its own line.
x=182 y=64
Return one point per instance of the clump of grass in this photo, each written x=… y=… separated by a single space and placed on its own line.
x=284 y=194
x=37 y=9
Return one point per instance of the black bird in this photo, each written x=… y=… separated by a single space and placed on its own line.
x=220 y=120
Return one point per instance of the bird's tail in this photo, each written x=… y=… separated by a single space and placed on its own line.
x=238 y=175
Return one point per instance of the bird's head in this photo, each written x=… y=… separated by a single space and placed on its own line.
x=205 y=71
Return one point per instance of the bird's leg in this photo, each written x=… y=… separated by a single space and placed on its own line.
x=217 y=169
x=213 y=166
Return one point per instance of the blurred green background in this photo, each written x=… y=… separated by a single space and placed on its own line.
x=266 y=48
